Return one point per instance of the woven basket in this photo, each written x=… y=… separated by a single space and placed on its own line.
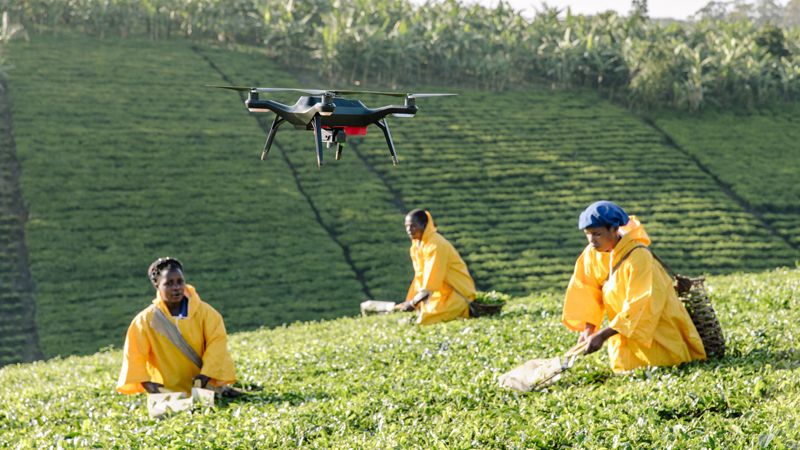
x=482 y=310
x=703 y=315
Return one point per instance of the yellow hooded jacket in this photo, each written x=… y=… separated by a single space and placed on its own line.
x=653 y=325
x=439 y=268
x=150 y=356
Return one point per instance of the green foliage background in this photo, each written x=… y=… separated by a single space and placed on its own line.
x=709 y=62
x=367 y=383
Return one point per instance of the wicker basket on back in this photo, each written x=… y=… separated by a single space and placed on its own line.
x=692 y=292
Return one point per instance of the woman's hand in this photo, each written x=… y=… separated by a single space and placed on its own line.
x=596 y=340
x=202 y=379
x=588 y=331
x=406 y=306
x=154 y=388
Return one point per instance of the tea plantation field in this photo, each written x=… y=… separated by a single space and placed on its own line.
x=368 y=383
x=740 y=147
x=126 y=157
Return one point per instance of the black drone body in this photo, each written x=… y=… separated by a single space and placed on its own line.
x=330 y=116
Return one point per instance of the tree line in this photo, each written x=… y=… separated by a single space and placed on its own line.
x=728 y=55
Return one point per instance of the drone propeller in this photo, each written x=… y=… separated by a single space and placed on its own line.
x=429 y=95
x=330 y=91
x=242 y=88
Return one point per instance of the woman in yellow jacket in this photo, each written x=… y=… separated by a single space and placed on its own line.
x=152 y=362
x=442 y=287
x=647 y=323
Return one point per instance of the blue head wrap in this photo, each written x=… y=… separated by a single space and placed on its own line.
x=603 y=214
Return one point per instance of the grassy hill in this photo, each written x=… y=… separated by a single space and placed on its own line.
x=368 y=383
x=127 y=157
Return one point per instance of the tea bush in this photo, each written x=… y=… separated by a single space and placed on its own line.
x=369 y=383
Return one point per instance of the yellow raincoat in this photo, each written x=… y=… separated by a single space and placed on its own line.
x=150 y=356
x=653 y=325
x=439 y=268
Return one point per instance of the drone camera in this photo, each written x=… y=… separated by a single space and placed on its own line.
x=333 y=136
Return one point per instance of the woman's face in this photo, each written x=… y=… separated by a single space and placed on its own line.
x=602 y=239
x=171 y=285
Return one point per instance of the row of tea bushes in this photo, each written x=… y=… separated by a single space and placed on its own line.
x=740 y=148
x=128 y=157
x=367 y=383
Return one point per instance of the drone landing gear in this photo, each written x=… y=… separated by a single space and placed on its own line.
x=384 y=126
x=275 y=125
x=316 y=122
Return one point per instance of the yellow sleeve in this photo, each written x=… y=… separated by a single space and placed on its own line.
x=217 y=362
x=135 y=357
x=641 y=310
x=435 y=267
x=584 y=300
x=413 y=289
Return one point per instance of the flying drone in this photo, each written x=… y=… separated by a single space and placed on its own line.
x=331 y=117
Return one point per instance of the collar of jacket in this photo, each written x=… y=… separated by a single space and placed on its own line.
x=430 y=229
x=634 y=235
x=189 y=292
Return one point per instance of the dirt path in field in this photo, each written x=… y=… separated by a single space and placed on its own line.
x=17 y=301
x=723 y=186
x=265 y=126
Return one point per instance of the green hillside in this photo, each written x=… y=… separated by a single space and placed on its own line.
x=126 y=156
x=367 y=383
x=755 y=153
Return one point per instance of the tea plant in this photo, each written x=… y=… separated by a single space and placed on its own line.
x=368 y=383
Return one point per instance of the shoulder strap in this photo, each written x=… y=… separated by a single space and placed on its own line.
x=166 y=328
x=459 y=293
x=660 y=261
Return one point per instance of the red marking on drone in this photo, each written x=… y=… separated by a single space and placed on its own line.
x=350 y=131
x=355 y=131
